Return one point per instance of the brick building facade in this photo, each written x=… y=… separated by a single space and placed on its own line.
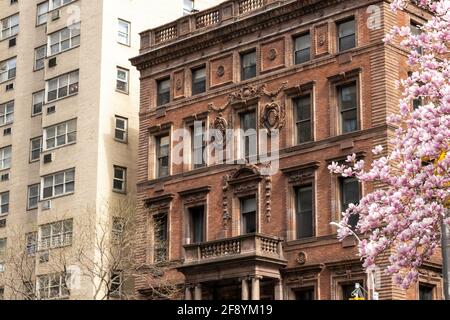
x=318 y=77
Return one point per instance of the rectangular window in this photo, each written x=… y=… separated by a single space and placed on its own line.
x=302 y=51
x=2 y=255
x=4 y=203
x=33 y=196
x=121 y=129
x=426 y=291
x=350 y=193
x=5 y=158
x=62 y=86
x=416 y=30
x=9 y=26
x=52 y=287
x=198 y=146
x=198 y=81
x=35 y=149
x=31 y=243
x=163 y=92
x=58 y=184
x=348 y=107
x=118 y=226
x=116 y=283
x=304 y=212
x=122 y=80
x=7 y=70
x=38 y=102
x=6 y=113
x=2 y=293
x=39 y=57
x=249 y=141
x=160 y=238
x=120 y=179
x=123 y=33
x=346 y=35
x=60 y=135
x=41 y=15
x=303 y=119
x=248 y=215
x=305 y=294
x=59 y=3
x=64 y=39
x=248 y=65
x=162 y=156
x=55 y=235
x=347 y=290
x=196 y=225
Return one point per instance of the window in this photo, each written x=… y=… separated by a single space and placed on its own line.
x=163 y=92
x=248 y=215
x=35 y=149
x=31 y=243
x=426 y=291
x=7 y=70
x=115 y=287
x=416 y=30
x=55 y=235
x=118 y=226
x=2 y=293
x=39 y=58
x=302 y=51
x=120 y=179
x=198 y=146
x=350 y=193
x=249 y=139
x=198 y=81
x=123 y=33
x=64 y=39
x=6 y=113
x=4 y=203
x=162 y=155
x=305 y=294
x=38 y=102
x=248 y=65
x=42 y=11
x=58 y=184
x=60 y=135
x=347 y=290
x=53 y=286
x=304 y=212
x=346 y=35
x=5 y=158
x=196 y=225
x=2 y=254
x=62 y=86
x=122 y=80
x=121 y=129
x=303 y=119
x=33 y=196
x=348 y=107
x=59 y=3
x=9 y=26
x=160 y=238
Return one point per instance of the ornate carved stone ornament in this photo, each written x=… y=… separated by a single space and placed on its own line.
x=179 y=84
x=220 y=124
x=321 y=39
x=220 y=71
x=195 y=195
x=301 y=173
x=273 y=117
x=159 y=204
x=272 y=54
x=301 y=258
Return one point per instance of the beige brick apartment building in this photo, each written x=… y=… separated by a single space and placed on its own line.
x=319 y=72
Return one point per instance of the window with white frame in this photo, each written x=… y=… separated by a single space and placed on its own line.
x=4 y=203
x=60 y=135
x=31 y=243
x=6 y=113
x=5 y=158
x=2 y=255
x=41 y=13
x=118 y=226
x=123 y=33
x=58 y=184
x=120 y=179
x=38 y=102
x=39 y=57
x=8 y=70
x=64 y=39
x=55 y=235
x=35 y=149
x=122 y=79
x=9 y=26
x=62 y=86
x=54 y=4
x=33 y=196
x=121 y=129
x=52 y=287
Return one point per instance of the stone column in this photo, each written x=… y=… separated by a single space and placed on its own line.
x=278 y=290
x=198 y=292
x=245 y=291
x=188 y=293
x=256 y=290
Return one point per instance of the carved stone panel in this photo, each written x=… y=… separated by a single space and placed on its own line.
x=272 y=55
x=273 y=117
x=178 y=85
x=322 y=43
x=221 y=70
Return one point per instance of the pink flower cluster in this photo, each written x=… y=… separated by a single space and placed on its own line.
x=404 y=217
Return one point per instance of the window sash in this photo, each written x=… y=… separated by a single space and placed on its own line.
x=39 y=57
x=121 y=129
x=63 y=40
x=119 y=181
x=58 y=184
x=62 y=86
x=122 y=79
x=4 y=205
x=248 y=62
x=42 y=12
x=7 y=113
x=347 y=35
x=198 y=150
x=198 y=81
x=348 y=107
x=248 y=215
x=60 y=135
x=350 y=193
x=162 y=156
x=33 y=196
x=9 y=26
x=305 y=212
x=302 y=51
x=35 y=149
x=5 y=158
x=7 y=69
x=123 y=32
x=38 y=102
x=163 y=94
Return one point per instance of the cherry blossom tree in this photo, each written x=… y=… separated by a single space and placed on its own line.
x=405 y=217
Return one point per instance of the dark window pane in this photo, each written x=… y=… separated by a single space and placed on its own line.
x=248 y=211
x=348 y=106
x=163 y=92
x=304 y=294
x=198 y=81
x=304 y=217
x=350 y=193
x=302 y=49
x=425 y=292
x=248 y=62
x=197 y=217
x=346 y=33
x=347 y=290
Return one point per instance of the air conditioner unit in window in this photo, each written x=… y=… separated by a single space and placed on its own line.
x=49 y=158
x=12 y=42
x=55 y=15
x=52 y=62
x=9 y=86
x=7 y=131
x=47 y=205
x=3 y=223
x=4 y=177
